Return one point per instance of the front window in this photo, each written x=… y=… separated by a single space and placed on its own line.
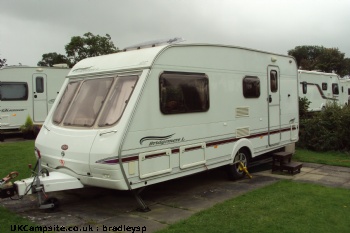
x=65 y=101
x=117 y=100
x=83 y=101
x=11 y=91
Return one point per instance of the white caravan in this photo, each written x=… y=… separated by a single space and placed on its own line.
x=28 y=91
x=139 y=117
x=319 y=88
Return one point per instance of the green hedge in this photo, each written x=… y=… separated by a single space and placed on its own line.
x=326 y=130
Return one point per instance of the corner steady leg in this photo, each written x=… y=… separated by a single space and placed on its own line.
x=142 y=205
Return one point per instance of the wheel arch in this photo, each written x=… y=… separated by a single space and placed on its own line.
x=242 y=144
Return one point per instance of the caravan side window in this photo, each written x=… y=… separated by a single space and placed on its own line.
x=335 y=88
x=324 y=86
x=39 y=84
x=11 y=91
x=182 y=92
x=251 y=87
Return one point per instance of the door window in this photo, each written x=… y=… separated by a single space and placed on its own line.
x=39 y=84
x=273 y=81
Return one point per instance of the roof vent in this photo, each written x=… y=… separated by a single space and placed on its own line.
x=62 y=65
x=154 y=43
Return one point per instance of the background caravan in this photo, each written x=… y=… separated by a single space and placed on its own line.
x=321 y=88
x=143 y=116
x=27 y=91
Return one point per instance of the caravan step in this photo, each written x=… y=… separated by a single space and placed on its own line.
x=292 y=167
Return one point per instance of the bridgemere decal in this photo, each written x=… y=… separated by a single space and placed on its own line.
x=161 y=140
x=13 y=110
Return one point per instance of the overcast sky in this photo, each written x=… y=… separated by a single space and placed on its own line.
x=30 y=28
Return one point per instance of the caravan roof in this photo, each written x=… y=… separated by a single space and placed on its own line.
x=137 y=59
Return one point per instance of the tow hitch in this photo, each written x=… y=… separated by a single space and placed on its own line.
x=40 y=183
x=7 y=188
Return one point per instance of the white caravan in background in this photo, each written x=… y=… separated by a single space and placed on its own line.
x=320 y=88
x=147 y=115
x=28 y=91
x=345 y=91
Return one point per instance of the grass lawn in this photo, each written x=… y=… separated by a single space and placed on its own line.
x=286 y=206
x=330 y=158
x=15 y=157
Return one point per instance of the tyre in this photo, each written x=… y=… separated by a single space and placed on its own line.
x=234 y=172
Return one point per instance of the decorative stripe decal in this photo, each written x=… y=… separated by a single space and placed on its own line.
x=115 y=160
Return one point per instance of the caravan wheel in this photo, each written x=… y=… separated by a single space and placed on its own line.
x=234 y=172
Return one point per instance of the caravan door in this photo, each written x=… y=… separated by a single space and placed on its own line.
x=39 y=97
x=273 y=100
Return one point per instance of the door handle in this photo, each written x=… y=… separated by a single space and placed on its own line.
x=270 y=98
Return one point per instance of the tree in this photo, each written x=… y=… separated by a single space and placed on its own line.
x=347 y=66
x=3 y=62
x=320 y=58
x=49 y=59
x=331 y=59
x=88 y=46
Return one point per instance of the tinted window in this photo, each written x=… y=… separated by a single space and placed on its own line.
x=183 y=92
x=10 y=91
x=324 y=86
x=251 y=87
